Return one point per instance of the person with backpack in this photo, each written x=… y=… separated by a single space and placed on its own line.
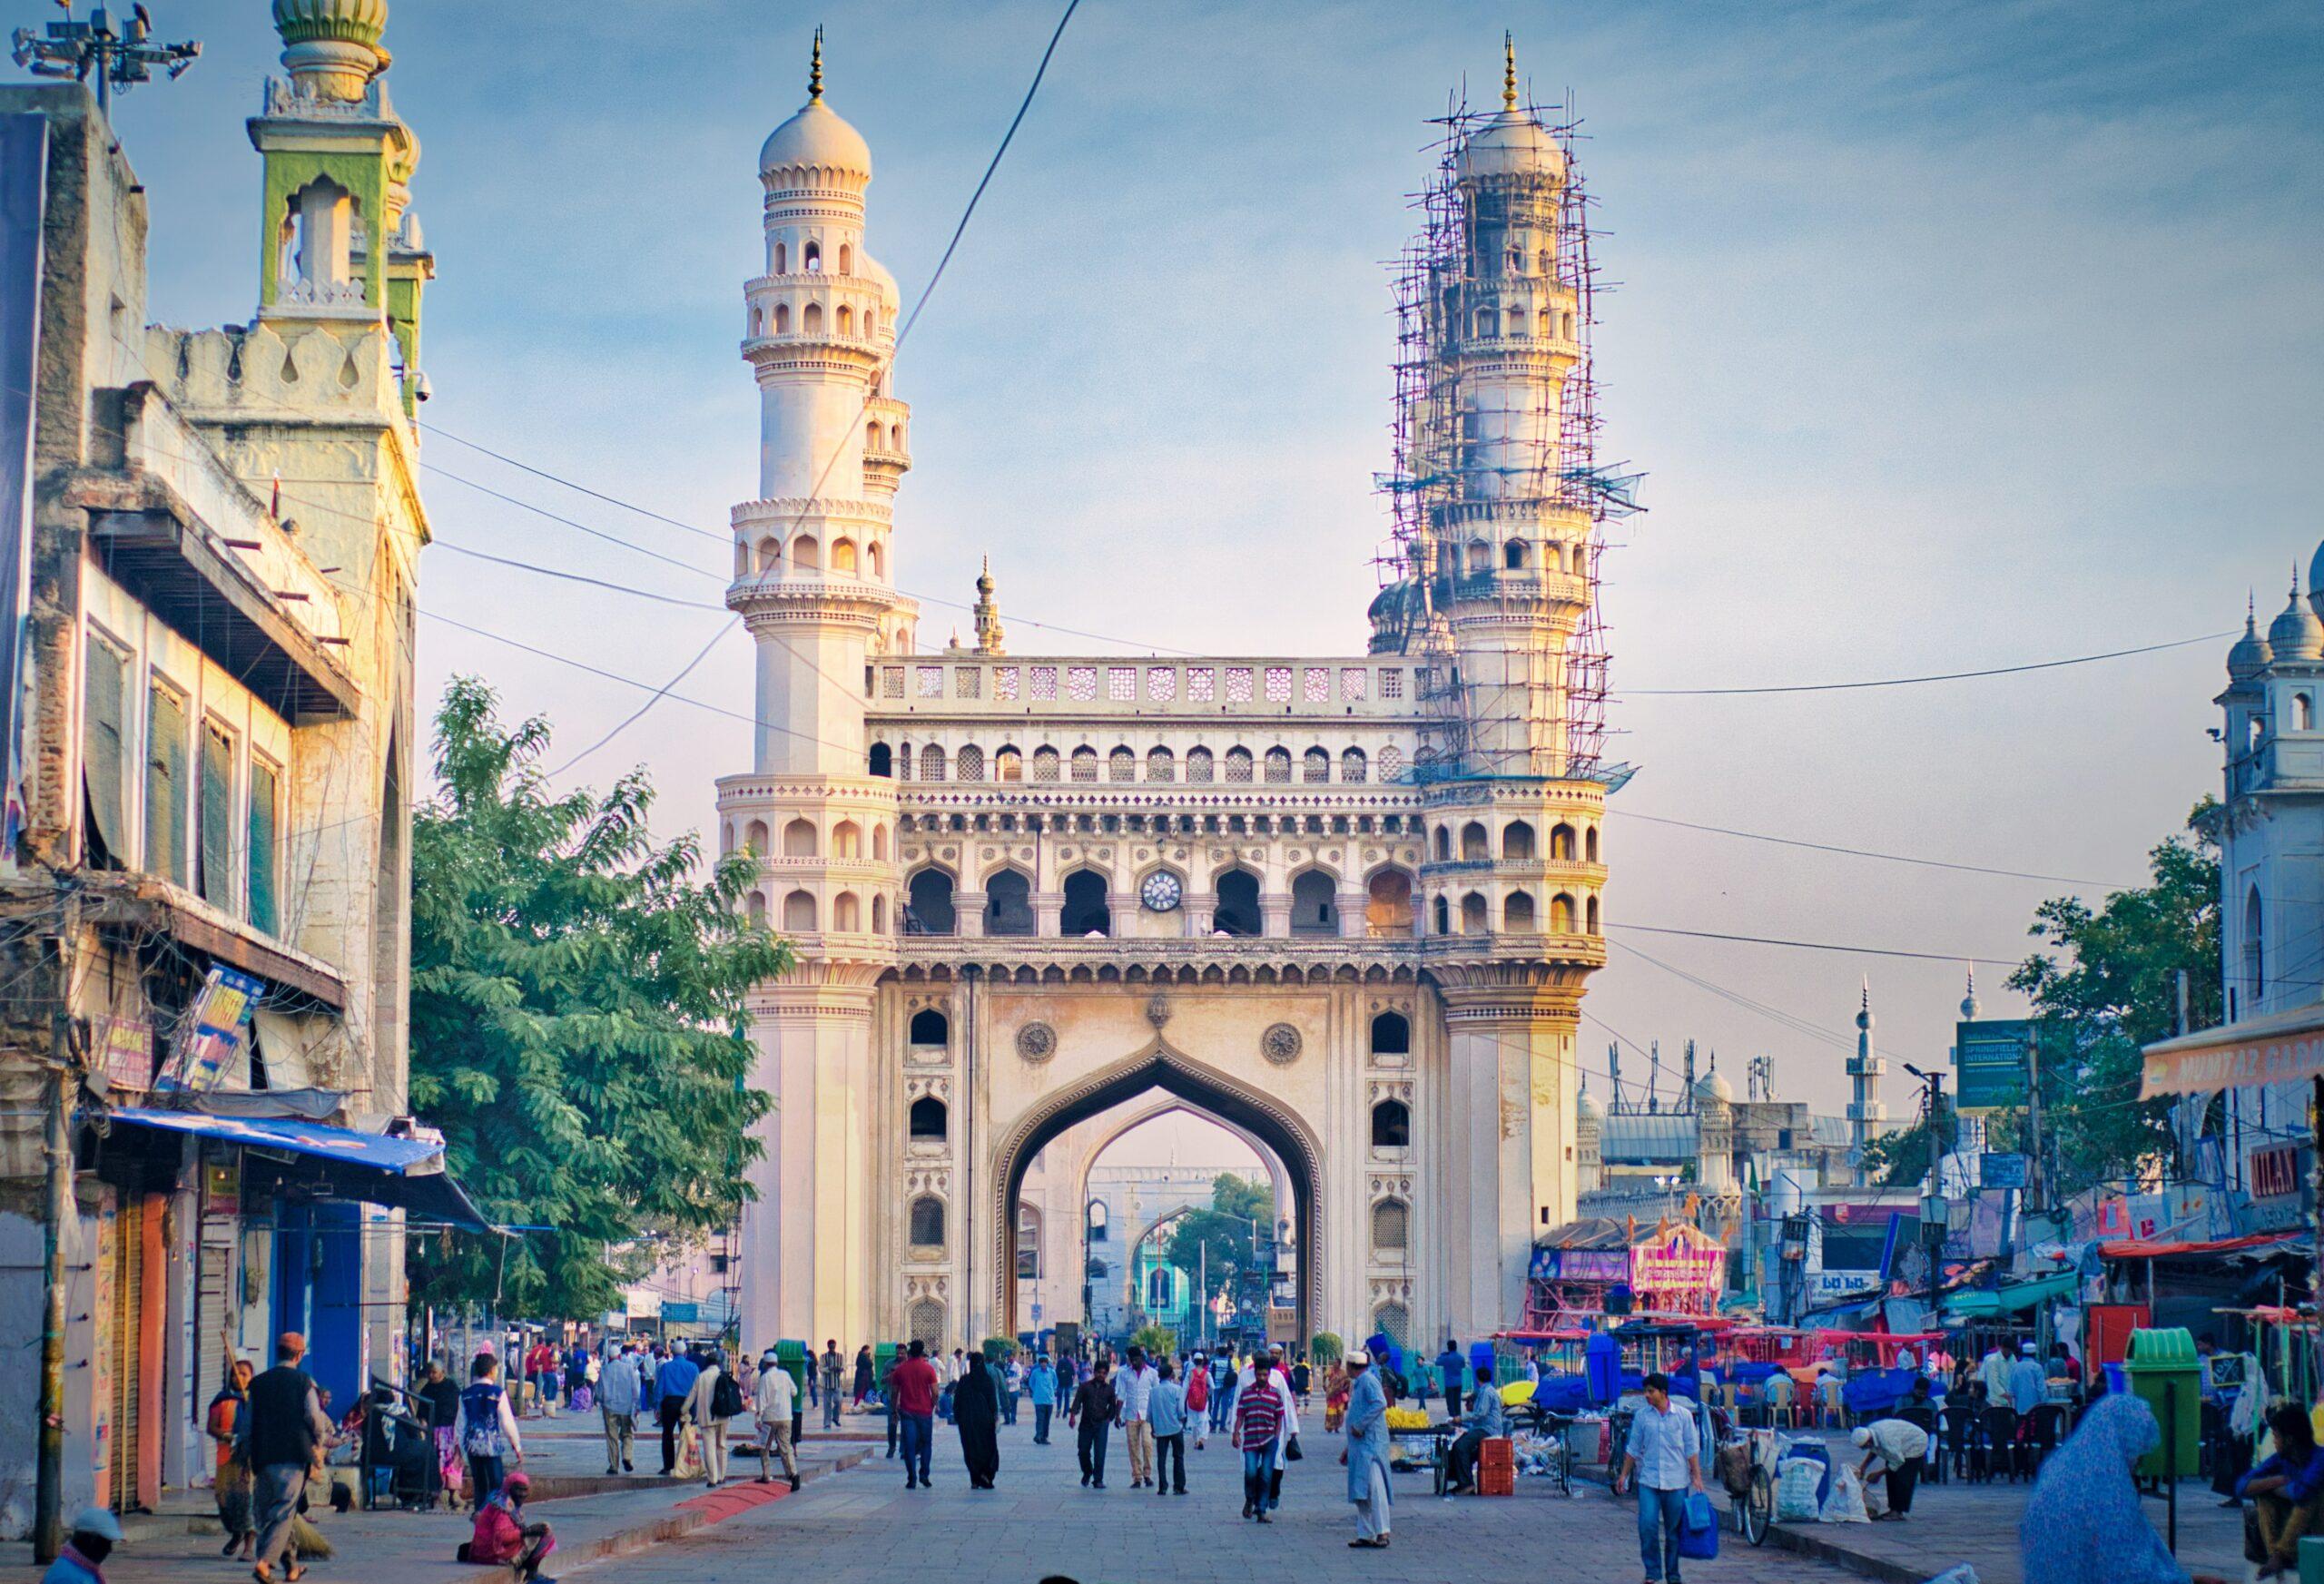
x=715 y=1397
x=487 y=1429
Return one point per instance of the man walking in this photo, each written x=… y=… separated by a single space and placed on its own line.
x=287 y=1429
x=1661 y=1458
x=1450 y=1367
x=1258 y=1422
x=777 y=1394
x=1367 y=1453
x=487 y=1431
x=1042 y=1384
x=1166 y=1412
x=913 y=1381
x=830 y=1368
x=672 y=1383
x=617 y=1391
x=1095 y=1407
x=714 y=1398
x=1137 y=1419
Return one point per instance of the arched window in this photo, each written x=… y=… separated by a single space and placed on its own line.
x=1391 y=1221
x=1161 y=765
x=1517 y=913
x=928 y=1222
x=1279 y=765
x=758 y=322
x=2255 y=953
x=1029 y=1244
x=924 y=1321
x=846 y=259
x=755 y=911
x=1391 y=1126
x=799 y=838
x=2303 y=711
x=814 y=256
x=1547 y=321
x=1517 y=840
x=879 y=843
x=882 y=760
x=1590 y=844
x=1198 y=766
x=781 y=259
x=1315 y=904
x=1353 y=767
x=1121 y=764
x=844 y=557
x=1479 y=555
x=781 y=319
x=769 y=555
x=876 y=558
x=1474 y=845
x=1157 y=1288
x=903 y=762
x=871 y=323
x=1443 y=916
x=1237 y=910
x=1316 y=765
x=967 y=765
x=1008 y=903
x=847 y=839
x=931 y=1027
x=845 y=319
x=754 y=838
x=928 y=903
x=932 y=763
x=1474 y=919
x=799 y=912
x=879 y=915
x=1391 y=1035
x=1591 y=928
x=1086 y=911
x=1044 y=764
x=1392 y=1322
x=806 y=555
x=1238 y=766
x=1560 y=914
x=847 y=914
x=1008 y=764
x=1388 y=905
x=928 y=1120
x=812 y=320
x=872 y=437
x=1085 y=763
x=1513 y=555
x=1098 y=1229
x=1565 y=325
x=1444 y=844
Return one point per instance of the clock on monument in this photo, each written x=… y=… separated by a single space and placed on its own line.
x=1161 y=892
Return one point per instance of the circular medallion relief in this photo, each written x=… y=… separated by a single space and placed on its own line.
x=1036 y=1042
x=1280 y=1044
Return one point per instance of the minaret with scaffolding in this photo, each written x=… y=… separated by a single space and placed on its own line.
x=1498 y=502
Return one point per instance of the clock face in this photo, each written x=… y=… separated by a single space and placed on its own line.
x=1161 y=892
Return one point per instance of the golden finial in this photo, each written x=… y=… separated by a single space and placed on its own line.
x=815 y=72
x=1508 y=70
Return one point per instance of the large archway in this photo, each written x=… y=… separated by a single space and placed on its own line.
x=1204 y=1091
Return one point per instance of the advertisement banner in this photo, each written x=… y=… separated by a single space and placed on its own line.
x=1681 y=1263
x=217 y=1031
x=122 y=1050
x=1990 y=1056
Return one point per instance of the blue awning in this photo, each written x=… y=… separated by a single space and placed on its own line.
x=404 y=1173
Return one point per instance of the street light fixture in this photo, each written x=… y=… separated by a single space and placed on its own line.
x=116 y=56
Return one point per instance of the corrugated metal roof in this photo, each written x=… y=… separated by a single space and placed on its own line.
x=1829 y=1129
x=1630 y=1138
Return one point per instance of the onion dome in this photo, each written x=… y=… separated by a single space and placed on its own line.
x=1714 y=1087
x=2315 y=582
x=1513 y=142
x=2298 y=632
x=331 y=47
x=1585 y=1106
x=817 y=145
x=2251 y=655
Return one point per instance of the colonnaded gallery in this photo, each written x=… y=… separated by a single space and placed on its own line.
x=1344 y=905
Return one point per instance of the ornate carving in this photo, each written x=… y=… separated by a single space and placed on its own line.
x=1157 y=1009
x=1036 y=1042
x=1280 y=1044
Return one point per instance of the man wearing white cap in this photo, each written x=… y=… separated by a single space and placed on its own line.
x=1367 y=1452
x=95 y=1532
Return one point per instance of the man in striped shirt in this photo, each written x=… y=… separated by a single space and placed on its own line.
x=1258 y=1418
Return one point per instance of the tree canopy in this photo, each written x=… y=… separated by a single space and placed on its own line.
x=2110 y=985
x=578 y=1022
x=1203 y=1243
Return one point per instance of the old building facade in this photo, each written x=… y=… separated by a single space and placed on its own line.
x=1345 y=904
x=208 y=894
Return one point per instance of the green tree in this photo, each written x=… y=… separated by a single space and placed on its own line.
x=2111 y=987
x=1158 y=1340
x=577 y=1023
x=1326 y=1349
x=1203 y=1243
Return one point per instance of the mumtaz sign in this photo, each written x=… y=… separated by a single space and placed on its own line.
x=2285 y=1048
x=1679 y=1266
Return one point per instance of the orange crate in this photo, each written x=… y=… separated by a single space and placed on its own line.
x=1500 y=1481
x=1497 y=1452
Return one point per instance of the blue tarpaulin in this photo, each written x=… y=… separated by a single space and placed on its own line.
x=404 y=1173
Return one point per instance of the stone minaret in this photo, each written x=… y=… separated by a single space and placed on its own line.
x=1867 y=1117
x=812 y=584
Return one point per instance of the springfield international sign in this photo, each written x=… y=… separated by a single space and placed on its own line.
x=2282 y=1048
x=1991 y=1056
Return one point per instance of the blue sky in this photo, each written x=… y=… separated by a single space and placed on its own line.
x=1948 y=336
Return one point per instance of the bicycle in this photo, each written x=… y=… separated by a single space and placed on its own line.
x=1551 y=1427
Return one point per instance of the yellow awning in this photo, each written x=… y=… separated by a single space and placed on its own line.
x=2281 y=1047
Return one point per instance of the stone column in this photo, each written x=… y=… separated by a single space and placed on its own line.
x=1047 y=907
x=967 y=912
x=1351 y=905
x=1275 y=914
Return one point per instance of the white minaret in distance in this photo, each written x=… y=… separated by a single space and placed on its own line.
x=812 y=584
x=1867 y=1117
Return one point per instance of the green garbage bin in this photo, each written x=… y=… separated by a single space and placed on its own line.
x=2163 y=1369
x=792 y=1356
x=883 y=1357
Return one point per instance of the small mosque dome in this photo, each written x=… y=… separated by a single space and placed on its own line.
x=1585 y=1107
x=1714 y=1085
x=2316 y=571
x=1513 y=142
x=818 y=138
x=2298 y=632
x=2251 y=655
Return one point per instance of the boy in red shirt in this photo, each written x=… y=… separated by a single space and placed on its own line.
x=1259 y=1419
x=914 y=1383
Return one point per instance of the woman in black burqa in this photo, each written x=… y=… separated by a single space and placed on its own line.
x=976 y=1409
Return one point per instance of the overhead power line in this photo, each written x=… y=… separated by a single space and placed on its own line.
x=1863 y=852
x=1915 y=680
x=1824 y=946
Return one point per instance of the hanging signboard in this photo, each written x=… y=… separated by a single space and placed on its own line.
x=217 y=1031
x=2001 y=1171
x=1990 y=1059
x=1678 y=1265
x=122 y=1049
